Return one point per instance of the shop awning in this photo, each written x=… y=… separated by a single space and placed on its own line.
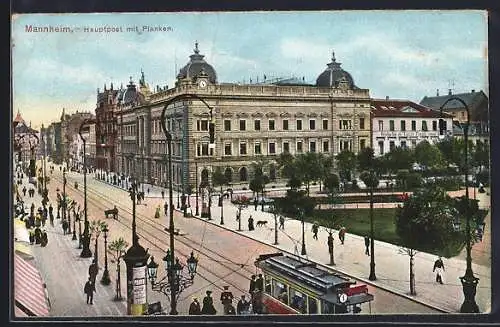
x=21 y=234
x=29 y=292
x=24 y=250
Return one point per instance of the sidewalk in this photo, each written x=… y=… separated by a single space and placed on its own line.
x=351 y=260
x=392 y=267
x=65 y=286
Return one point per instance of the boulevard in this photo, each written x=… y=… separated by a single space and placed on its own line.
x=220 y=261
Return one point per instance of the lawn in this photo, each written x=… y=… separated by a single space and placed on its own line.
x=357 y=221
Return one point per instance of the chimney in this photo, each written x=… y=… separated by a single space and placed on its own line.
x=472 y=91
x=386 y=97
x=437 y=92
x=449 y=91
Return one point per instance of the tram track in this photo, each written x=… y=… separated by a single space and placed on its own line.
x=151 y=237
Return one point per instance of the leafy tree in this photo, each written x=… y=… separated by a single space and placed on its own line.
x=425 y=221
x=365 y=159
x=481 y=155
x=427 y=155
x=332 y=183
x=260 y=179
x=296 y=200
x=325 y=165
x=219 y=179
x=346 y=163
x=398 y=158
x=286 y=166
x=117 y=248
x=307 y=168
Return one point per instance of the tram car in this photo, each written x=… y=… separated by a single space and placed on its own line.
x=293 y=285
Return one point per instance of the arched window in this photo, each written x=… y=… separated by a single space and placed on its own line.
x=243 y=174
x=229 y=174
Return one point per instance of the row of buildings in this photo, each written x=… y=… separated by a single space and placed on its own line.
x=260 y=119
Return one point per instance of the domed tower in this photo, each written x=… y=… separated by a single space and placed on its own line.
x=197 y=70
x=334 y=76
x=132 y=95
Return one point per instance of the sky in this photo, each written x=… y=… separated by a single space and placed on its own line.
x=400 y=54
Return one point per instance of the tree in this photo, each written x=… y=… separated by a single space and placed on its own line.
x=306 y=165
x=427 y=155
x=325 y=165
x=260 y=179
x=118 y=247
x=285 y=165
x=365 y=159
x=96 y=227
x=346 y=163
x=425 y=221
x=397 y=159
x=241 y=202
x=219 y=179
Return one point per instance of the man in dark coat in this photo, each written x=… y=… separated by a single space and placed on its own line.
x=194 y=307
x=439 y=269
x=243 y=305
x=208 y=305
x=89 y=289
x=93 y=271
x=165 y=208
x=367 y=245
x=250 y=223
x=259 y=283
x=226 y=298
x=252 y=284
x=24 y=191
x=162 y=194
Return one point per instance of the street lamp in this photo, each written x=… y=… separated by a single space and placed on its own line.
x=469 y=281
x=171 y=229
x=196 y=176
x=105 y=280
x=372 y=275
x=74 y=225
x=274 y=210
x=79 y=230
x=174 y=281
x=303 y=250
x=86 y=253
x=136 y=258
x=64 y=202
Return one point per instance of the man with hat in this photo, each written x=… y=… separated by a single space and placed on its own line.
x=226 y=298
x=194 y=307
x=243 y=306
x=208 y=305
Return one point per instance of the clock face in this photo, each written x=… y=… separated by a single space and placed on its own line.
x=342 y=298
x=203 y=83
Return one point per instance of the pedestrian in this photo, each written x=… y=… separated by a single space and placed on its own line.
x=194 y=307
x=157 y=212
x=238 y=215
x=282 y=222
x=439 y=269
x=250 y=223
x=330 y=242
x=226 y=299
x=255 y=203
x=208 y=305
x=89 y=289
x=252 y=285
x=45 y=215
x=162 y=194
x=315 y=228
x=24 y=191
x=165 y=208
x=44 y=239
x=38 y=235
x=93 y=270
x=32 y=236
x=243 y=306
x=367 y=245
x=148 y=190
x=259 y=284
x=342 y=234
x=65 y=226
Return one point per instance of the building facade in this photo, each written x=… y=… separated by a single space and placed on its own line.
x=70 y=125
x=251 y=121
x=26 y=140
x=89 y=133
x=402 y=123
x=478 y=105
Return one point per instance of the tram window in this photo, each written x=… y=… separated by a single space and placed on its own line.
x=298 y=300
x=267 y=287
x=280 y=291
x=327 y=308
x=313 y=305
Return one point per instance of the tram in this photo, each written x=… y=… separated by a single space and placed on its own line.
x=293 y=285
